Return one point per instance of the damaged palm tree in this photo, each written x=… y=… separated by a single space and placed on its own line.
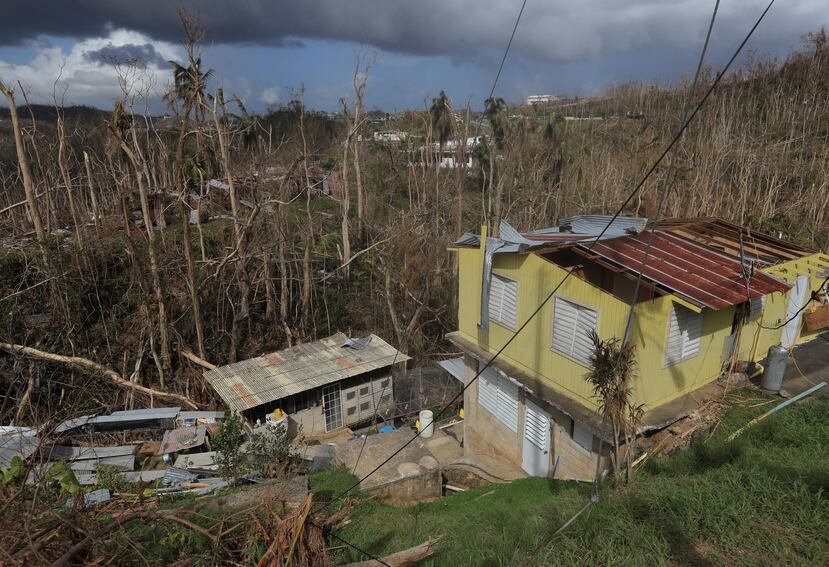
x=612 y=369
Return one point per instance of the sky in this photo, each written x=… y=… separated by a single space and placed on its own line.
x=267 y=51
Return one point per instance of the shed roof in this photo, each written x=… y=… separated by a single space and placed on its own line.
x=256 y=381
x=695 y=272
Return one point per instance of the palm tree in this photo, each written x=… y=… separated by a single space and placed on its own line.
x=189 y=88
x=442 y=120
x=495 y=113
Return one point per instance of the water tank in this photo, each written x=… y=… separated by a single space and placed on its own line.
x=775 y=368
x=427 y=423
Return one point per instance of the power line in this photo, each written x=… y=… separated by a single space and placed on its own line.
x=506 y=51
x=663 y=196
x=626 y=202
x=798 y=312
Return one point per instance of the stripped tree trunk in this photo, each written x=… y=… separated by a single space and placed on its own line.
x=23 y=161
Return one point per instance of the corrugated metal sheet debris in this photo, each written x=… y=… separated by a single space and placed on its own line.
x=174 y=476
x=271 y=377
x=206 y=461
x=690 y=270
x=17 y=444
x=181 y=439
x=62 y=453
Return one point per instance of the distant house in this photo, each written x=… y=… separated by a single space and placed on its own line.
x=391 y=136
x=456 y=152
x=541 y=99
x=322 y=386
x=695 y=309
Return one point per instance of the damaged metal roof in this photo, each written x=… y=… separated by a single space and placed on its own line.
x=706 y=278
x=569 y=230
x=251 y=383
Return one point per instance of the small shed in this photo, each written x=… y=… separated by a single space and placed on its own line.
x=322 y=386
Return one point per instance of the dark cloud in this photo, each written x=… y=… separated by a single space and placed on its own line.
x=554 y=30
x=142 y=55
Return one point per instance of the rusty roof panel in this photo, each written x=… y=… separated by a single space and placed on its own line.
x=273 y=376
x=690 y=270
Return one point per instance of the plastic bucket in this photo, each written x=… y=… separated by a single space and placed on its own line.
x=427 y=423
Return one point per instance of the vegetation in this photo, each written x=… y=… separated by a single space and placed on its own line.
x=760 y=500
x=228 y=446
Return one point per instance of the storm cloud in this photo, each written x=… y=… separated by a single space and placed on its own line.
x=559 y=30
x=131 y=53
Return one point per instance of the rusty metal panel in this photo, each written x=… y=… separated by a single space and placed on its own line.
x=693 y=271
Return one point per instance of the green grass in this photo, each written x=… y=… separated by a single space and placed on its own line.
x=760 y=500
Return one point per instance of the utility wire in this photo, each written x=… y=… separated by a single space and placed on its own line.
x=626 y=202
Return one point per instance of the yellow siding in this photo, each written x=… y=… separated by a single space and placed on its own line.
x=531 y=351
x=812 y=266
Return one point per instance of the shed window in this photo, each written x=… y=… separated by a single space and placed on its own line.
x=499 y=396
x=384 y=383
x=350 y=395
x=572 y=324
x=364 y=406
x=684 y=335
x=351 y=410
x=503 y=301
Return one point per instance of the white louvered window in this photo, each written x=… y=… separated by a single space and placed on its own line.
x=499 y=396
x=572 y=324
x=503 y=301
x=684 y=335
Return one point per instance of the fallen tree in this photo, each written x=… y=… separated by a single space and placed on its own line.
x=86 y=364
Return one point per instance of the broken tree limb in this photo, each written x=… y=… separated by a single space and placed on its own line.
x=86 y=364
x=192 y=357
x=403 y=558
x=120 y=521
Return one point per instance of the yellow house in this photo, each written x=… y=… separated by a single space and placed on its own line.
x=700 y=295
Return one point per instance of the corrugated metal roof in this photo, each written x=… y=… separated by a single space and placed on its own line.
x=17 y=444
x=63 y=453
x=455 y=367
x=139 y=415
x=578 y=228
x=273 y=376
x=690 y=270
x=187 y=415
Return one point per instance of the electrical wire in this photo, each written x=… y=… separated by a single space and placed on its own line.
x=618 y=212
x=798 y=312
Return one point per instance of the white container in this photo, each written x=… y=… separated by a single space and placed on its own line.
x=427 y=423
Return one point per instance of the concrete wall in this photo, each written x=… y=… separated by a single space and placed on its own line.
x=411 y=489
x=485 y=434
x=308 y=422
x=361 y=400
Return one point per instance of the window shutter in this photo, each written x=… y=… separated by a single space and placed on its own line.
x=684 y=334
x=572 y=324
x=503 y=301
x=499 y=397
x=488 y=393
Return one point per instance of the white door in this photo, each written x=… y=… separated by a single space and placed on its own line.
x=332 y=407
x=797 y=298
x=536 y=452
